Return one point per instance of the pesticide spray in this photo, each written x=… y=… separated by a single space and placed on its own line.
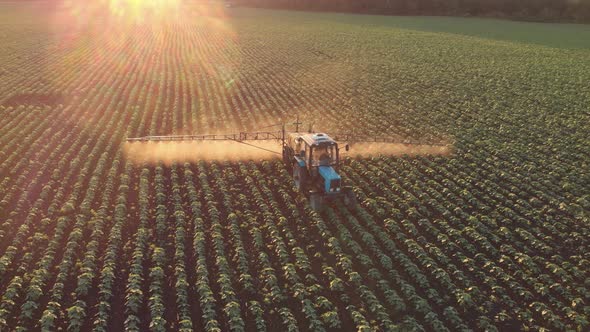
x=367 y=149
x=193 y=151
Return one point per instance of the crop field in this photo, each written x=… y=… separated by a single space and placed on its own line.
x=495 y=236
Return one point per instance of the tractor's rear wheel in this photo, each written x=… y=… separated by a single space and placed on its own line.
x=349 y=198
x=287 y=157
x=299 y=177
x=315 y=201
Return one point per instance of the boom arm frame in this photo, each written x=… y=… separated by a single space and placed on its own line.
x=242 y=136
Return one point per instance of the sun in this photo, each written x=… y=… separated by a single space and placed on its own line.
x=121 y=11
x=138 y=11
x=141 y=9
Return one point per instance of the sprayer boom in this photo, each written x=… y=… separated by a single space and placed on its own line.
x=242 y=136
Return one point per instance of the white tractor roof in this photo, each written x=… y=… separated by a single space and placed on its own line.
x=317 y=138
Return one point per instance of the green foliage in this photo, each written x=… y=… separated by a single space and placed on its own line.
x=491 y=237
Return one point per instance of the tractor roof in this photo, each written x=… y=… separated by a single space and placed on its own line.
x=317 y=139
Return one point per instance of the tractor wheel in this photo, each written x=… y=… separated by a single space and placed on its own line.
x=349 y=198
x=287 y=158
x=315 y=201
x=299 y=177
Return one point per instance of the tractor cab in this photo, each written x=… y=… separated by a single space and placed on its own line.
x=314 y=150
x=314 y=159
x=320 y=150
x=324 y=155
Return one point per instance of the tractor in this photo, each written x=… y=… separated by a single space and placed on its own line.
x=314 y=161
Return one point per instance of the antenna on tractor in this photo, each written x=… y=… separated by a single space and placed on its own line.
x=297 y=124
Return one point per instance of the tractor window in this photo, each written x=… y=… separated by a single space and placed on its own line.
x=323 y=156
x=300 y=148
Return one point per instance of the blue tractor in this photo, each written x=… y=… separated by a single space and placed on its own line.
x=314 y=161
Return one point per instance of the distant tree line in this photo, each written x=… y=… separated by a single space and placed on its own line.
x=541 y=10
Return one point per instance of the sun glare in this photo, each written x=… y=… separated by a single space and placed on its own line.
x=118 y=19
x=140 y=10
x=136 y=11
